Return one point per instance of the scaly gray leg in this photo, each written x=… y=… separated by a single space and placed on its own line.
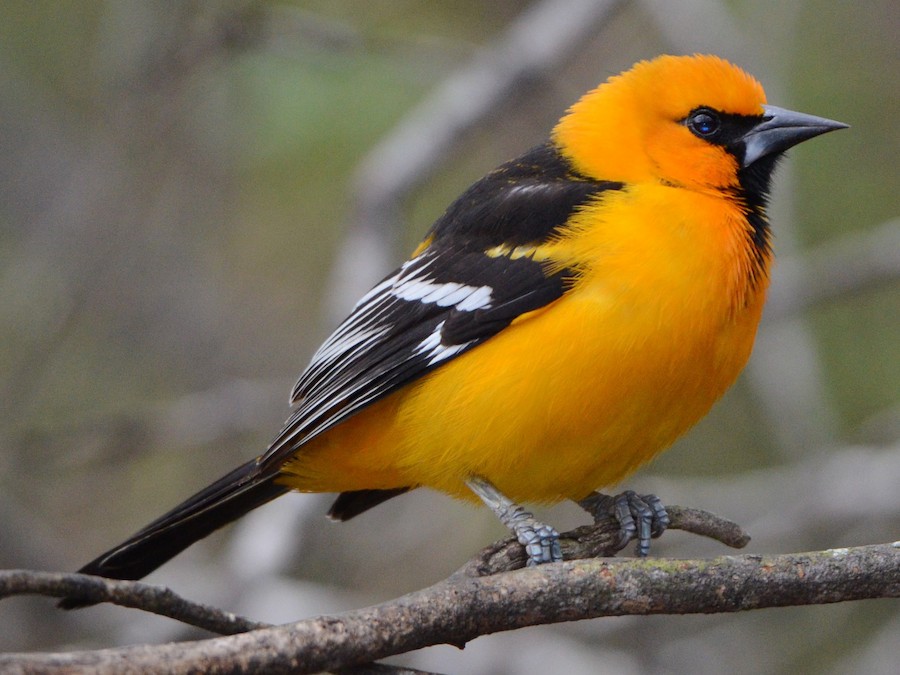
x=541 y=541
x=640 y=517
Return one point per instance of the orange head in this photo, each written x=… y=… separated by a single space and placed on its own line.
x=691 y=121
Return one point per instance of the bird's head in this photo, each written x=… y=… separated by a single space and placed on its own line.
x=692 y=121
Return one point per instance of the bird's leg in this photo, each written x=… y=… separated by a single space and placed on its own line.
x=541 y=541
x=640 y=517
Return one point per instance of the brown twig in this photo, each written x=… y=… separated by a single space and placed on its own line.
x=601 y=541
x=153 y=599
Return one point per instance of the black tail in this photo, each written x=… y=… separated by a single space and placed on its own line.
x=226 y=500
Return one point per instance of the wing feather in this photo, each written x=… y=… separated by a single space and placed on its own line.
x=413 y=324
x=470 y=283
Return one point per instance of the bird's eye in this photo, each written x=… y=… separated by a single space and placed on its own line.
x=703 y=123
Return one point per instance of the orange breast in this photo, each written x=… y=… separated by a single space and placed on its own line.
x=576 y=396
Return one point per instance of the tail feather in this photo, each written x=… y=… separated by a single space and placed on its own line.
x=226 y=500
x=350 y=504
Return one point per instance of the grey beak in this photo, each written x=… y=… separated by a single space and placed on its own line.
x=782 y=129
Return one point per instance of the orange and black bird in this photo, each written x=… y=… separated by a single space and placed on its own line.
x=568 y=317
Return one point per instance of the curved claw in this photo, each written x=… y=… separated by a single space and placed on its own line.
x=641 y=517
x=660 y=515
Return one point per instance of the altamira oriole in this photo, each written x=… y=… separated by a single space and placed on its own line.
x=567 y=318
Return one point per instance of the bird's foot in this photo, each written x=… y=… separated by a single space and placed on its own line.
x=641 y=517
x=541 y=542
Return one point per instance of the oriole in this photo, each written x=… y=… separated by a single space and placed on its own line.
x=567 y=318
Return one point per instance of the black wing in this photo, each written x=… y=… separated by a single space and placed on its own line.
x=473 y=279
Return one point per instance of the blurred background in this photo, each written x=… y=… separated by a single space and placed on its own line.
x=194 y=193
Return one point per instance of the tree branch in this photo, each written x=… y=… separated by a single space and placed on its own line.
x=134 y=594
x=479 y=599
x=594 y=541
x=462 y=608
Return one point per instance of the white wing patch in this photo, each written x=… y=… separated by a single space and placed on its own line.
x=371 y=319
x=434 y=350
x=418 y=287
x=463 y=297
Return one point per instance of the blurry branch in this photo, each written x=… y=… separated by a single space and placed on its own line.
x=822 y=493
x=464 y=607
x=534 y=46
x=215 y=415
x=854 y=264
